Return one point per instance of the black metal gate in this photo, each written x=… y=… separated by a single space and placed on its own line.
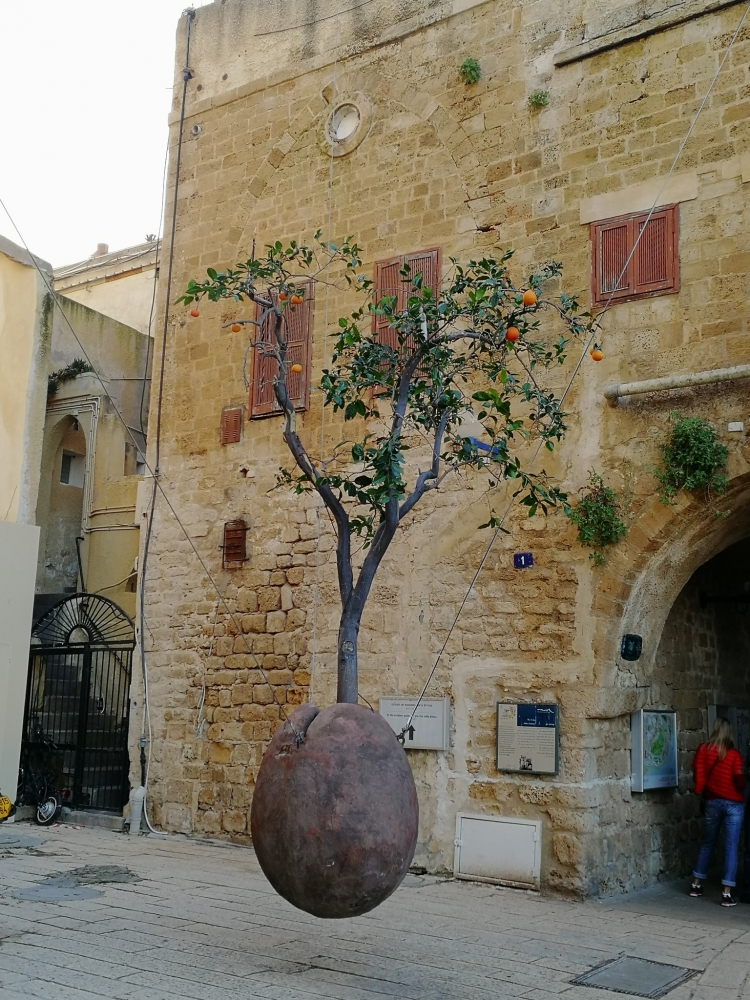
x=78 y=696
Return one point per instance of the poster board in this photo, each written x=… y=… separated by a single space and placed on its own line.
x=527 y=738
x=654 y=750
x=430 y=727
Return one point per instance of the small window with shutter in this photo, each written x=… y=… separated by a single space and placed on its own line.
x=231 y=424
x=619 y=272
x=297 y=331
x=389 y=282
x=234 y=543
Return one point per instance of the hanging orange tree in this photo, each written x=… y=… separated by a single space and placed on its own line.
x=473 y=353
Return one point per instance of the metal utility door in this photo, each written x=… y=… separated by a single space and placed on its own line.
x=78 y=696
x=498 y=849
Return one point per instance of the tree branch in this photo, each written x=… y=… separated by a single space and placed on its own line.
x=305 y=463
x=424 y=478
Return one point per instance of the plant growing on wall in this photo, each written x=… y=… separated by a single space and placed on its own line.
x=470 y=71
x=692 y=459
x=597 y=517
x=476 y=352
x=76 y=367
x=538 y=99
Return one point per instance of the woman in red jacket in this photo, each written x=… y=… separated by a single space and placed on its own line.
x=719 y=776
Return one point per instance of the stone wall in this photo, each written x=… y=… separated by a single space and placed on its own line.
x=468 y=169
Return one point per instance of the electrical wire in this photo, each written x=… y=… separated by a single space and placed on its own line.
x=153 y=290
x=316 y=587
x=576 y=369
x=308 y=24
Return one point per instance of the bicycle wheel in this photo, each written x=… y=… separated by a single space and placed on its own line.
x=48 y=810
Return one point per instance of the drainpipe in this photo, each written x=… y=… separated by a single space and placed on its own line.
x=79 y=539
x=614 y=392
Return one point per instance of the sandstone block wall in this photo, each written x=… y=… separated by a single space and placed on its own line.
x=469 y=169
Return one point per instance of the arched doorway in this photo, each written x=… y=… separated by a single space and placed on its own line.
x=78 y=696
x=60 y=507
x=702 y=664
x=679 y=583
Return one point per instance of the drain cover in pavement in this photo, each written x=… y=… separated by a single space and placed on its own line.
x=18 y=841
x=635 y=976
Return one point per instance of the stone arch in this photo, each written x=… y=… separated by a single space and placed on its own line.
x=664 y=548
x=49 y=516
x=449 y=130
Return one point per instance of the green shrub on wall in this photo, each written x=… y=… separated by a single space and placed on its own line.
x=76 y=367
x=597 y=517
x=470 y=71
x=692 y=459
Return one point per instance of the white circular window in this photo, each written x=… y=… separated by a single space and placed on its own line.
x=347 y=124
x=344 y=122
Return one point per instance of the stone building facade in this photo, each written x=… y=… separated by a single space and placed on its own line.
x=436 y=162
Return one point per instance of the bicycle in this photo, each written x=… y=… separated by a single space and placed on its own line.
x=37 y=782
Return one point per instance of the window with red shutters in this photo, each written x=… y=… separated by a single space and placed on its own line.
x=297 y=331
x=389 y=282
x=622 y=268
x=234 y=543
x=231 y=425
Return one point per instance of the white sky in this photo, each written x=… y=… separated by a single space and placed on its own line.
x=87 y=87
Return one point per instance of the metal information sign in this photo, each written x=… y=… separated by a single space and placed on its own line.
x=430 y=726
x=654 y=750
x=527 y=738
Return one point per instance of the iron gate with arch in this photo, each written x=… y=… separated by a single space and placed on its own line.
x=78 y=696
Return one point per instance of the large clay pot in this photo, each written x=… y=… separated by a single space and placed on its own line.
x=334 y=817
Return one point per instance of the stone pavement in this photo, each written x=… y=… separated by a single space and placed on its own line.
x=198 y=920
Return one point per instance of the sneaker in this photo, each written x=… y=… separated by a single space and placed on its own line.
x=727 y=899
x=696 y=890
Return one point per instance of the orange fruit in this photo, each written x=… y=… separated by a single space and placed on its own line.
x=296 y=369
x=283 y=296
x=597 y=354
x=529 y=297
x=235 y=327
x=296 y=300
x=194 y=312
x=512 y=334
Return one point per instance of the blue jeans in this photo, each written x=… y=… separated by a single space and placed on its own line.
x=718 y=812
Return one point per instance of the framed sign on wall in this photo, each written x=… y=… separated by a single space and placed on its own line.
x=430 y=725
x=527 y=738
x=654 y=750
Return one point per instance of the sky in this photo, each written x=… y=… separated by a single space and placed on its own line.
x=87 y=87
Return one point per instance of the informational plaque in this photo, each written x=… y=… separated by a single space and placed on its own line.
x=428 y=730
x=653 y=750
x=527 y=738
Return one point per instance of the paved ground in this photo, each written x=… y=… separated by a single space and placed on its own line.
x=200 y=921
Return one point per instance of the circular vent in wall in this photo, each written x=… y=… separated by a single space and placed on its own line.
x=347 y=124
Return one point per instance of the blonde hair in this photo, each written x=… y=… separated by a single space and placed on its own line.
x=722 y=737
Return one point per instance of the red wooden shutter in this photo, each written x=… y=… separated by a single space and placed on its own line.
x=231 y=424
x=427 y=263
x=656 y=254
x=388 y=282
x=234 y=542
x=654 y=261
x=297 y=332
x=612 y=242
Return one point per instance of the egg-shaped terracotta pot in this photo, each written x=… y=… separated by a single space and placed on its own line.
x=334 y=815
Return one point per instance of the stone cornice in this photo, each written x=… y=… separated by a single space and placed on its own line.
x=636 y=21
